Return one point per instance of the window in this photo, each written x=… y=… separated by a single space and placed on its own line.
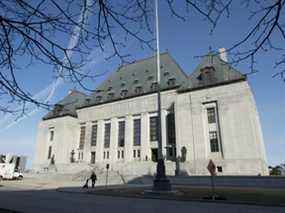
x=220 y=168
x=171 y=82
x=49 y=152
x=87 y=101
x=153 y=126
x=211 y=115
x=121 y=135
x=170 y=124
x=139 y=153
x=134 y=153
x=98 y=98
x=154 y=86
x=107 y=135
x=94 y=135
x=104 y=155
x=82 y=137
x=119 y=154
x=207 y=74
x=166 y=73
x=124 y=93
x=107 y=154
x=214 y=141
x=51 y=136
x=139 y=90
x=150 y=78
x=136 y=81
x=122 y=154
x=137 y=132
x=111 y=95
x=93 y=157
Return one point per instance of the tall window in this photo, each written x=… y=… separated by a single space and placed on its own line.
x=82 y=137
x=137 y=132
x=214 y=144
x=211 y=115
x=153 y=126
x=49 y=152
x=94 y=135
x=107 y=135
x=51 y=136
x=93 y=157
x=121 y=135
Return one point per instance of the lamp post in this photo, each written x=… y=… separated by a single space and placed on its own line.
x=160 y=183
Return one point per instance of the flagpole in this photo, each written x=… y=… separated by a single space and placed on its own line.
x=160 y=183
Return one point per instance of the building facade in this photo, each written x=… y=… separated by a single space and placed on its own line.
x=210 y=114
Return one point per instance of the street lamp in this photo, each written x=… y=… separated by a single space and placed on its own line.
x=160 y=183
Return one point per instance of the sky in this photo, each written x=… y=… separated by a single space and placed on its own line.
x=184 y=41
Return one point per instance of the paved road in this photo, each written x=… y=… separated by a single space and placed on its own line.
x=52 y=201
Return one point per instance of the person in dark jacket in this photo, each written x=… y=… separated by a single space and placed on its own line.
x=93 y=178
x=85 y=186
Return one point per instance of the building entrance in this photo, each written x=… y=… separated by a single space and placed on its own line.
x=93 y=157
x=154 y=155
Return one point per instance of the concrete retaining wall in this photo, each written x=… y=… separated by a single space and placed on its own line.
x=232 y=181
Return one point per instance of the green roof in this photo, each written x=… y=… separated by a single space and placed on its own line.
x=139 y=78
x=67 y=106
x=212 y=71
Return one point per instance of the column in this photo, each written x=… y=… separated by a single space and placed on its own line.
x=100 y=141
x=129 y=138
x=163 y=131
x=145 y=146
x=114 y=140
x=87 y=144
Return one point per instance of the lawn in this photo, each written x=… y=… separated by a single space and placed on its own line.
x=275 y=197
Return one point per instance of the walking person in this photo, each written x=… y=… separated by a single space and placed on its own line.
x=93 y=178
x=85 y=186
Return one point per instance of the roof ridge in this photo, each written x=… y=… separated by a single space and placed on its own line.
x=143 y=59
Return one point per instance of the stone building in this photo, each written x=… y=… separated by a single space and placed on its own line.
x=210 y=114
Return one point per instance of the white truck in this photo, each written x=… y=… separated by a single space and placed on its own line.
x=12 y=167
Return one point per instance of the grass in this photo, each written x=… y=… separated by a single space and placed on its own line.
x=275 y=197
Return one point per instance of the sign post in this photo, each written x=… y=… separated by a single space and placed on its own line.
x=107 y=167
x=212 y=169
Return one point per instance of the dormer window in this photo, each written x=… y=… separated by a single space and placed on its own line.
x=98 y=98
x=150 y=78
x=207 y=74
x=136 y=81
x=110 y=88
x=87 y=100
x=138 y=90
x=110 y=95
x=154 y=86
x=171 y=82
x=58 y=108
x=124 y=93
x=166 y=73
x=123 y=84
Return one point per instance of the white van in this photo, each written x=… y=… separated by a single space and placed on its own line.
x=10 y=169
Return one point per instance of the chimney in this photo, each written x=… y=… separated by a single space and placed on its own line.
x=223 y=54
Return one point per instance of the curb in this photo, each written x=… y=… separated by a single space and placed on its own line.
x=158 y=197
